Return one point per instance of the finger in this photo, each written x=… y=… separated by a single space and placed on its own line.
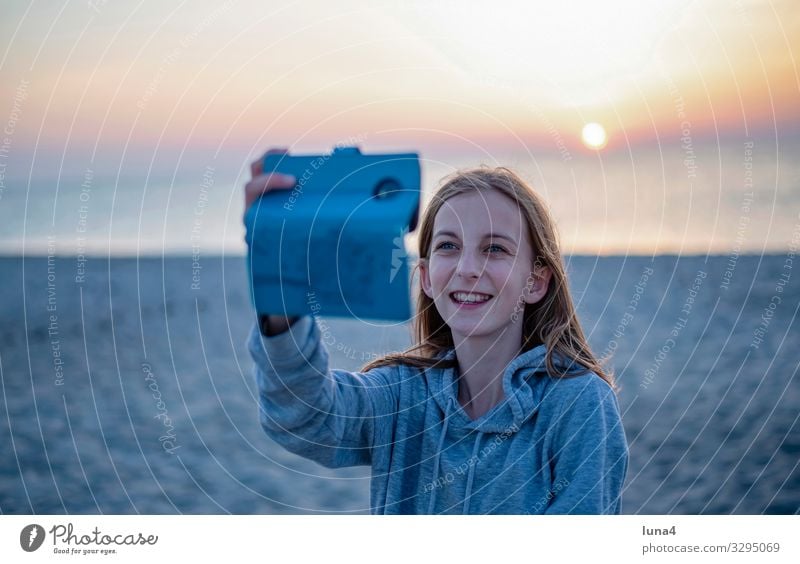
x=257 y=166
x=264 y=183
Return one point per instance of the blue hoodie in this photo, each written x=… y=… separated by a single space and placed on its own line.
x=551 y=446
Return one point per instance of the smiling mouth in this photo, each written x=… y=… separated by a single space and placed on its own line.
x=470 y=298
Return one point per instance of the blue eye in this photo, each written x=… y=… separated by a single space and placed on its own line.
x=444 y=245
x=496 y=248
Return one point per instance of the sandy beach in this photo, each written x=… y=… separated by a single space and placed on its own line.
x=127 y=386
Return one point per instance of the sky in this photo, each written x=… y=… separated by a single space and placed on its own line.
x=151 y=82
x=697 y=102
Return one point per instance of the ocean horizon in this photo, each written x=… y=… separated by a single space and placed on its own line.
x=734 y=200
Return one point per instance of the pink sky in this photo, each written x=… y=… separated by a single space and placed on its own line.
x=89 y=81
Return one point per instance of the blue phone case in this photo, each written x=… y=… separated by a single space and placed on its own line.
x=333 y=245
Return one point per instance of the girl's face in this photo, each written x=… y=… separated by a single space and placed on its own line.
x=480 y=267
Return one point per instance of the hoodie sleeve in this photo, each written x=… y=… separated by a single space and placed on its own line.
x=328 y=416
x=589 y=457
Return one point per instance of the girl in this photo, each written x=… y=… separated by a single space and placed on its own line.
x=500 y=407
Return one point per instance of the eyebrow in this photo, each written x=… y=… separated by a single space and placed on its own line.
x=486 y=236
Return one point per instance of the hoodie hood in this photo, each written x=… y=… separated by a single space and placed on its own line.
x=523 y=389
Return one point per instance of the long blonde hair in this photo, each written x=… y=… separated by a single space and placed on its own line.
x=552 y=321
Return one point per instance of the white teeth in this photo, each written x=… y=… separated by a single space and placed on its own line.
x=470 y=298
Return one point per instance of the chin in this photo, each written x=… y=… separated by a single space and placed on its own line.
x=459 y=327
x=479 y=328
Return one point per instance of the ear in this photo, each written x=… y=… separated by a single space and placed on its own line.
x=425 y=278
x=538 y=284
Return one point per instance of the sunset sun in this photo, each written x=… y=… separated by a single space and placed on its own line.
x=594 y=136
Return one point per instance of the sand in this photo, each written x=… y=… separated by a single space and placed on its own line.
x=127 y=387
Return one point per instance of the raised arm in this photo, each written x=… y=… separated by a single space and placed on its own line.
x=329 y=416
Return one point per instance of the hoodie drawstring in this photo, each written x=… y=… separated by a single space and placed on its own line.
x=438 y=456
x=436 y=462
x=472 y=464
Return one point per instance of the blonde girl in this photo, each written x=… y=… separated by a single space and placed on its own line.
x=499 y=407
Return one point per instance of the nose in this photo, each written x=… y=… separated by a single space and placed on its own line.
x=470 y=265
